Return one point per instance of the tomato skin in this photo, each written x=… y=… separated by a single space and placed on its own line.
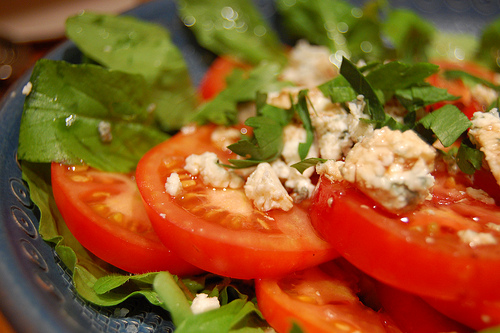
x=413 y=259
x=320 y=299
x=476 y=314
x=214 y=80
x=237 y=252
x=413 y=315
x=135 y=251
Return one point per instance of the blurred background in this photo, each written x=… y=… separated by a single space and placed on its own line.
x=31 y=28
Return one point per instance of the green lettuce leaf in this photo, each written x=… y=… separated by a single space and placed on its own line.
x=489 y=46
x=232 y=27
x=127 y=44
x=67 y=106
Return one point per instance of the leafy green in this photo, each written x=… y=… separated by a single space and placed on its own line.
x=338 y=90
x=238 y=315
x=409 y=33
x=362 y=87
x=489 y=47
x=421 y=95
x=302 y=110
x=320 y=22
x=232 y=27
x=67 y=105
x=448 y=123
x=307 y=163
x=222 y=109
x=127 y=44
x=398 y=75
x=469 y=159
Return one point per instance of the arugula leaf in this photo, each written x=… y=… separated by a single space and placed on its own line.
x=409 y=33
x=238 y=315
x=67 y=105
x=127 y=44
x=362 y=87
x=222 y=110
x=232 y=27
x=302 y=110
x=448 y=123
x=307 y=163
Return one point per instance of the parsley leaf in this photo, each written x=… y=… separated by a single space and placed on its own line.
x=307 y=163
x=469 y=159
x=448 y=123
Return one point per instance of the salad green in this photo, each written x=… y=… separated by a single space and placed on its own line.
x=137 y=84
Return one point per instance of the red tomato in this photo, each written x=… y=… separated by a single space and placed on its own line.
x=467 y=103
x=476 y=314
x=412 y=314
x=217 y=229
x=329 y=298
x=421 y=251
x=105 y=213
x=214 y=80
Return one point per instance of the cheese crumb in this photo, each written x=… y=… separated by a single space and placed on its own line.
x=211 y=172
x=173 y=185
x=392 y=167
x=474 y=238
x=105 y=134
x=264 y=188
x=203 y=303
x=485 y=132
x=27 y=88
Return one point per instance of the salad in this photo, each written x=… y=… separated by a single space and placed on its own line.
x=309 y=187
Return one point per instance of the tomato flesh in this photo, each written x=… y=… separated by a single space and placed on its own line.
x=321 y=299
x=419 y=252
x=105 y=213
x=218 y=229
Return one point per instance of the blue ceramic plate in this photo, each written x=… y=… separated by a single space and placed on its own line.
x=36 y=294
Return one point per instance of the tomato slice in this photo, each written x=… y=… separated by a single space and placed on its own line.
x=476 y=314
x=105 y=213
x=214 y=80
x=421 y=251
x=218 y=229
x=412 y=314
x=326 y=298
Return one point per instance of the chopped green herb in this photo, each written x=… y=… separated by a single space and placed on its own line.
x=448 y=123
x=307 y=163
x=469 y=159
x=302 y=110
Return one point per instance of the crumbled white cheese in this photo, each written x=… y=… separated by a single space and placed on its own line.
x=264 y=188
x=309 y=65
x=493 y=226
x=485 y=132
x=203 y=303
x=483 y=94
x=224 y=136
x=392 y=167
x=173 y=185
x=300 y=184
x=211 y=172
x=27 y=88
x=474 y=238
x=104 y=129
x=480 y=195
x=331 y=170
x=358 y=129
